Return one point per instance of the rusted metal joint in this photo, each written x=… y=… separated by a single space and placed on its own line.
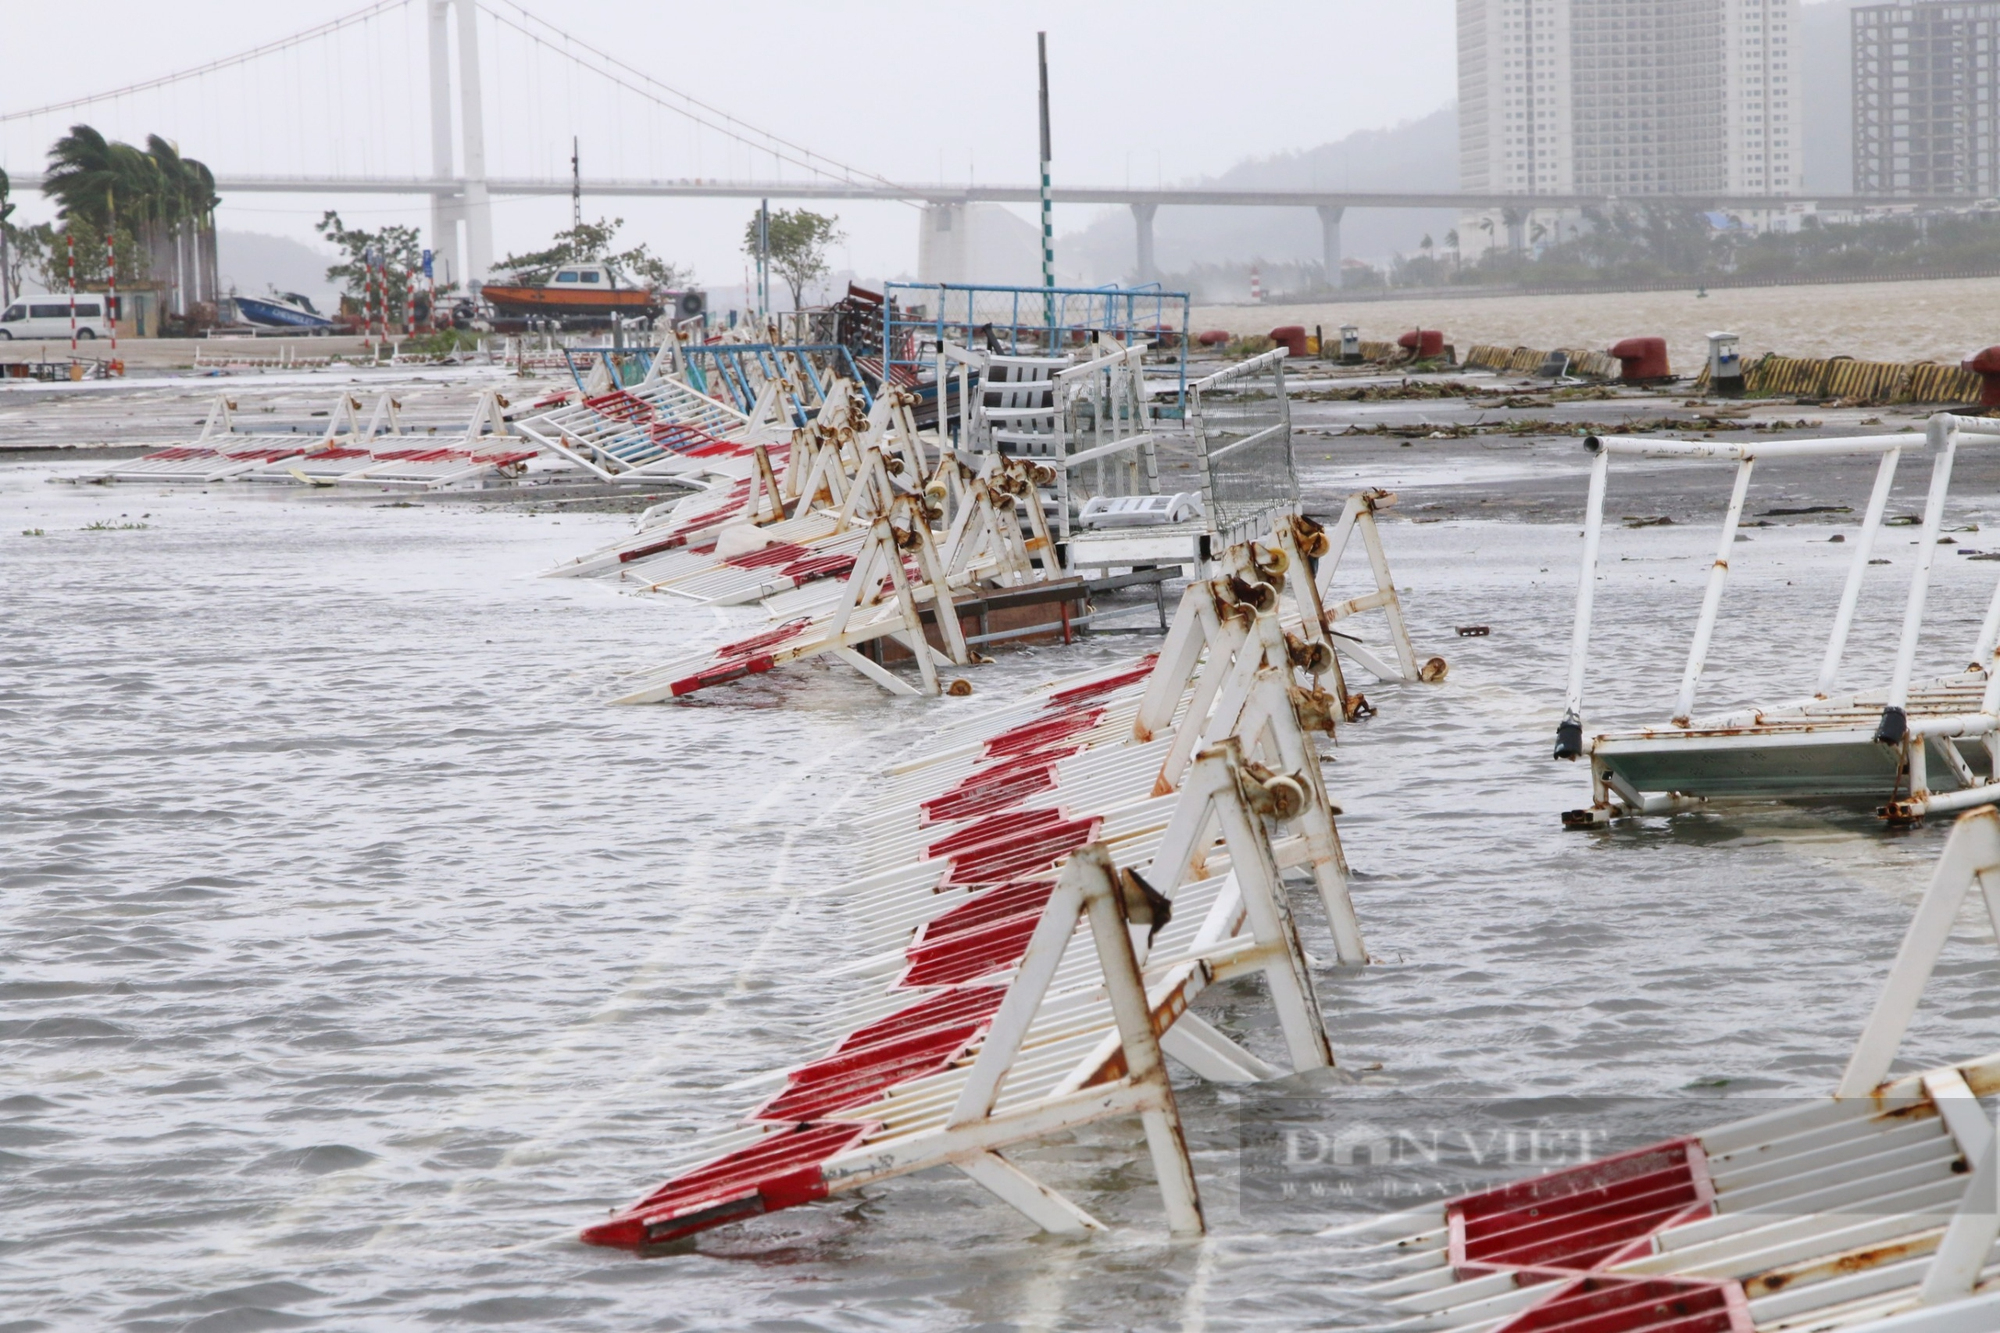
x=1309 y=536
x=1273 y=795
x=1356 y=706
x=1238 y=591
x=1309 y=655
x=1316 y=709
x=1433 y=671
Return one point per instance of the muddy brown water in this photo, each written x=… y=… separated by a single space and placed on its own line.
x=354 y=953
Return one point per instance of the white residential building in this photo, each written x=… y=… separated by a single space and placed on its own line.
x=1624 y=98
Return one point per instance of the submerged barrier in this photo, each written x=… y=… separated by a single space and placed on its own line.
x=347 y=452
x=1050 y=885
x=1919 y=747
x=1872 y=1209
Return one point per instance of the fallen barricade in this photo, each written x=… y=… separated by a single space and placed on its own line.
x=1876 y=1208
x=1916 y=747
x=348 y=450
x=1554 y=364
x=220 y=451
x=1151 y=808
x=741 y=485
x=380 y=453
x=658 y=428
x=882 y=597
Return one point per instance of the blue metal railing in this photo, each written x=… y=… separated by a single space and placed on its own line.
x=628 y=365
x=1022 y=320
x=731 y=365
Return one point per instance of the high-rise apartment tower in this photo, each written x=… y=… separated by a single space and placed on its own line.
x=1628 y=97
x=1927 y=98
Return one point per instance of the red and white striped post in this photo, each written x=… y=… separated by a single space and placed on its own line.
x=69 y=237
x=111 y=285
x=409 y=302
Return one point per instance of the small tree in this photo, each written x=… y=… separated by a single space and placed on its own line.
x=47 y=250
x=397 y=252
x=798 y=241
x=590 y=243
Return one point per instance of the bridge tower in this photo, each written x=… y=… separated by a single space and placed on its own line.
x=466 y=200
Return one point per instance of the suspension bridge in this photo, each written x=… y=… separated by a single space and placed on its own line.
x=339 y=100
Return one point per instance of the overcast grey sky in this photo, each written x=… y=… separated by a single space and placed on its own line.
x=1160 y=91
x=1142 y=92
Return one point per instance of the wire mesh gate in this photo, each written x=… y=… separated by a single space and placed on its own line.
x=1243 y=422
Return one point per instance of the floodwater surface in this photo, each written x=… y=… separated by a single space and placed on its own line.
x=354 y=953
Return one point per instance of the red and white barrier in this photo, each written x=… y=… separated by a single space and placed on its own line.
x=1877 y=1208
x=990 y=1022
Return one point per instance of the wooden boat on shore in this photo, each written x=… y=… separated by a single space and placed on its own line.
x=585 y=291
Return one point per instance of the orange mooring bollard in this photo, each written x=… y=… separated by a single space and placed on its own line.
x=1642 y=360
x=1985 y=363
x=1291 y=337
x=1426 y=343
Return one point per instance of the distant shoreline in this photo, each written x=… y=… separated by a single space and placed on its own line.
x=1453 y=293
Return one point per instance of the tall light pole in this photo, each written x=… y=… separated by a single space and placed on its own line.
x=1048 y=215
x=764 y=260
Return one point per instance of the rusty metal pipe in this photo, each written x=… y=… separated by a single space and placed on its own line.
x=1739 y=450
x=1942 y=437
x=1711 y=601
x=1952 y=724
x=1850 y=594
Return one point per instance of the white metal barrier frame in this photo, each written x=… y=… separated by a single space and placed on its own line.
x=222 y=453
x=746 y=495
x=640 y=433
x=1825 y=746
x=888 y=459
x=879 y=600
x=1054 y=1040
x=1249 y=477
x=1104 y=436
x=1876 y=1209
x=983 y=544
x=1303 y=538
x=383 y=454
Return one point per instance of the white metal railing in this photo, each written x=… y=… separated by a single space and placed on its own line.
x=1104 y=432
x=1948 y=708
x=1745 y=455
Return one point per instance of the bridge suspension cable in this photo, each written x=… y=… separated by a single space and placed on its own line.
x=681 y=103
x=243 y=57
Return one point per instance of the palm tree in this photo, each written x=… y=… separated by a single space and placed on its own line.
x=163 y=200
x=6 y=269
x=186 y=215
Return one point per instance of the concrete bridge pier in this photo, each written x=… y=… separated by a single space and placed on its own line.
x=1142 y=215
x=1329 y=241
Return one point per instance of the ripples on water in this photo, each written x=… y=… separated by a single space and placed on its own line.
x=354 y=953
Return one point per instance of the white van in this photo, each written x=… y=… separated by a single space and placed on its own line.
x=47 y=316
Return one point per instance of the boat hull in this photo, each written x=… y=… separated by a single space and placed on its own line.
x=557 y=303
x=272 y=315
